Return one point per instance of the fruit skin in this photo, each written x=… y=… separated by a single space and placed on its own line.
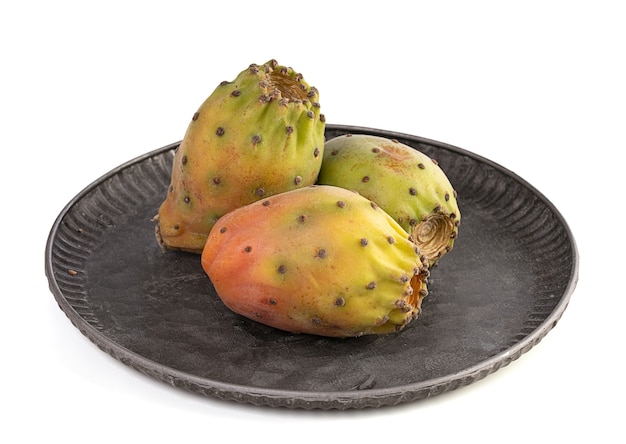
x=258 y=135
x=319 y=260
x=405 y=182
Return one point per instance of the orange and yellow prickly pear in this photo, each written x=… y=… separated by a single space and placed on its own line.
x=319 y=260
x=256 y=136
x=406 y=183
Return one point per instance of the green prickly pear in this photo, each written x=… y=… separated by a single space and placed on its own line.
x=256 y=136
x=406 y=183
x=318 y=260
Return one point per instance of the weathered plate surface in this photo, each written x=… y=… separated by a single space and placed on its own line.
x=497 y=294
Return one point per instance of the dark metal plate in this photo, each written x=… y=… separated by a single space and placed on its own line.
x=497 y=294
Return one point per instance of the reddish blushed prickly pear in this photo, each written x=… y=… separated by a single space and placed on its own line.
x=256 y=136
x=319 y=260
x=406 y=183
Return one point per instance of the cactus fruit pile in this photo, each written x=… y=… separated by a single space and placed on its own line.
x=333 y=238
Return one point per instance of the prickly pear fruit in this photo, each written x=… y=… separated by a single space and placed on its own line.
x=319 y=260
x=256 y=136
x=406 y=183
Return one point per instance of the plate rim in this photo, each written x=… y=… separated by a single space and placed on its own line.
x=317 y=399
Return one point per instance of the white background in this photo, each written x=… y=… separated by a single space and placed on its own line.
x=537 y=86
